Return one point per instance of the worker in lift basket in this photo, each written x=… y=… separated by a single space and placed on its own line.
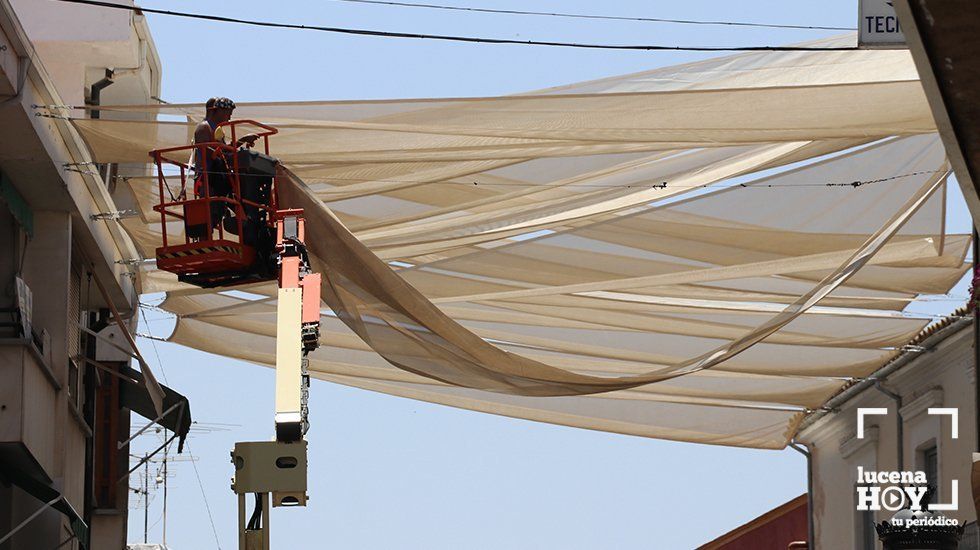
x=214 y=163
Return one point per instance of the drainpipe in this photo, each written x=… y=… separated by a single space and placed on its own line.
x=95 y=96
x=804 y=450
x=110 y=74
x=900 y=428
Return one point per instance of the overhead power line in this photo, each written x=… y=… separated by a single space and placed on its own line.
x=604 y=17
x=452 y=38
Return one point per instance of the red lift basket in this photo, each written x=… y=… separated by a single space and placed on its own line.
x=222 y=238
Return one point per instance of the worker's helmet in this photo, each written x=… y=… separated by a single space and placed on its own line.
x=219 y=103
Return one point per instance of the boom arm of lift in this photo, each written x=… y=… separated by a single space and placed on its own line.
x=279 y=467
x=235 y=233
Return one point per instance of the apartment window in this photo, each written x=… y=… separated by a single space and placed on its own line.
x=869 y=538
x=930 y=465
x=865 y=536
x=74 y=336
x=74 y=386
x=74 y=312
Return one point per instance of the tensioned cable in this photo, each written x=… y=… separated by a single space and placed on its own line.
x=153 y=343
x=604 y=17
x=453 y=38
x=207 y=506
x=662 y=185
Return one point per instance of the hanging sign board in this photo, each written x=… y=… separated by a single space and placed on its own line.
x=878 y=25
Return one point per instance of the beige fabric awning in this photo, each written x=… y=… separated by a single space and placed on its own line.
x=521 y=255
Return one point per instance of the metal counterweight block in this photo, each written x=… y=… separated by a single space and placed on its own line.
x=271 y=467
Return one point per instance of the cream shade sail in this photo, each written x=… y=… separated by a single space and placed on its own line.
x=700 y=253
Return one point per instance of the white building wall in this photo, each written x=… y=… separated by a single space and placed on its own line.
x=77 y=43
x=51 y=55
x=941 y=376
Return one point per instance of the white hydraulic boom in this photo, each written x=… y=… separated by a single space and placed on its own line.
x=275 y=471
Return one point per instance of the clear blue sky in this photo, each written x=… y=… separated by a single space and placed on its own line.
x=390 y=473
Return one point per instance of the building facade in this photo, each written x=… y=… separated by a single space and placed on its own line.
x=64 y=260
x=937 y=371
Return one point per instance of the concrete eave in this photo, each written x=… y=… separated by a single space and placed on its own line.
x=928 y=339
x=941 y=35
